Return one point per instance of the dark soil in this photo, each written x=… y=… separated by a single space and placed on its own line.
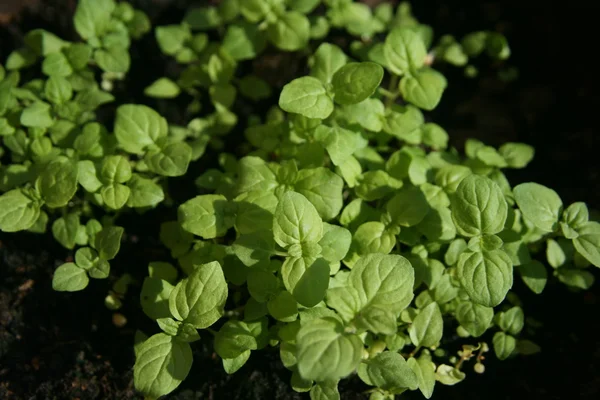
x=65 y=346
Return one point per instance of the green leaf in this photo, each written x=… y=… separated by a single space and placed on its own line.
x=424 y=89
x=113 y=59
x=434 y=136
x=408 y=207
x=232 y=365
x=576 y=278
x=20 y=58
x=296 y=221
x=403 y=122
x=92 y=17
x=375 y=185
x=323 y=189
x=325 y=391
x=504 y=345
x=335 y=242
x=56 y=64
x=478 y=207
x=340 y=143
x=534 y=275
x=426 y=329
x=255 y=249
x=555 y=254
x=283 y=307
x=306 y=96
x=355 y=82
x=172 y=159
x=376 y=320
x=325 y=352
x=304 y=6
x=306 y=280
x=78 y=55
x=58 y=183
x=404 y=51
x=154 y=297
x=486 y=276
x=449 y=375
x=588 y=242
x=574 y=217
x=138 y=126
x=37 y=115
x=40 y=225
x=475 y=318
x=243 y=41
x=255 y=10
x=373 y=237
x=234 y=338
x=207 y=216
x=144 y=192
x=200 y=298
x=44 y=42
x=65 y=230
x=511 y=321
x=262 y=285
x=424 y=369
x=162 y=270
x=162 y=88
x=69 y=278
x=382 y=280
x=58 y=90
x=255 y=211
x=369 y=114
x=108 y=242
x=254 y=87
x=388 y=371
x=517 y=155
x=203 y=18
x=162 y=362
x=497 y=46
x=86 y=258
x=290 y=32
x=539 y=204
x=115 y=195
x=115 y=169
x=326 y=61
x=450 y=176
x=171 y=38
x=18 y=211
x=527 y=347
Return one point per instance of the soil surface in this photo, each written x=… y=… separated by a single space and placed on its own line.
x=65 y=346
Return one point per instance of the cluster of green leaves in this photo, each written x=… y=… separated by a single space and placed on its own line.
x=64 y=169
x=348 y=234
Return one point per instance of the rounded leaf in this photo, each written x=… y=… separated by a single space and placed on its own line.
x=69 y=278
x=486 y=276
x=325 y=352
x=162 y=362
x=539 y=204
x=478 y=207
x=296 y=221
x=306 y=96
x=355 y=82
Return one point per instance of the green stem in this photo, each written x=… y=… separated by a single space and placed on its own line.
x=414 y=352
x=392 y=89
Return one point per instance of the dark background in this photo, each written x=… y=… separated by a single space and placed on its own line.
x=64 y=346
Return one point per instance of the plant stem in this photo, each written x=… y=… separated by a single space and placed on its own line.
x=392 y=89
x=414 y=352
